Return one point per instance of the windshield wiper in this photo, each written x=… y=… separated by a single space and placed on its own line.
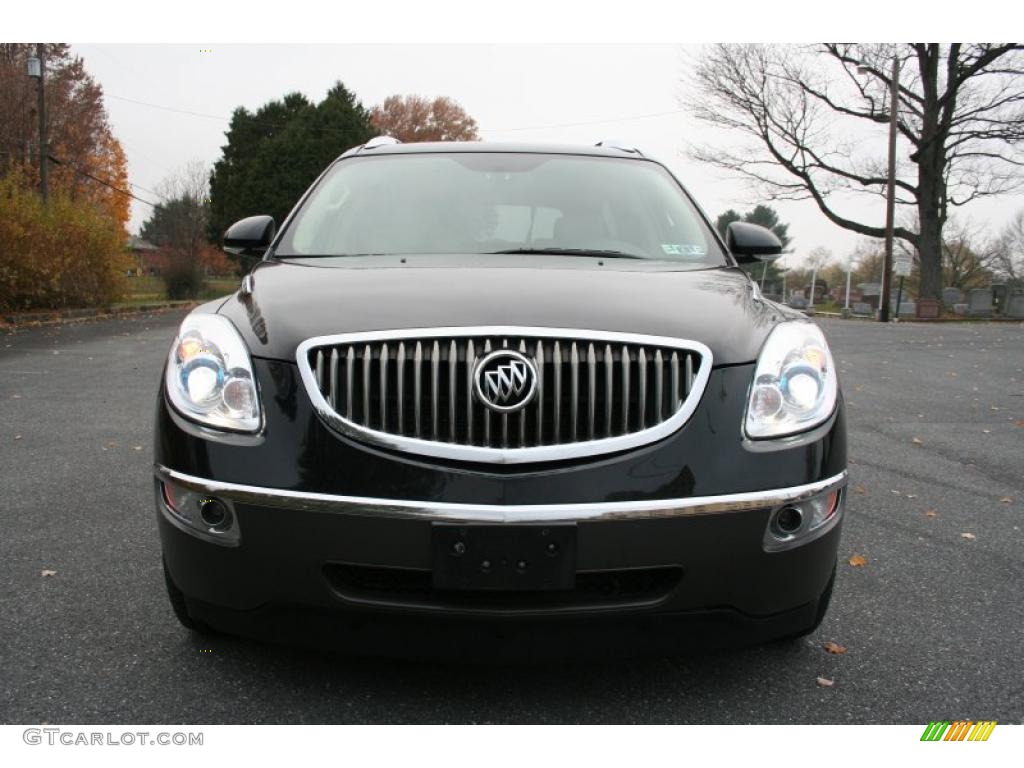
x=611 y=254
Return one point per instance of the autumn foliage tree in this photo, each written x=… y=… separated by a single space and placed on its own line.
x=80 y=137
x=72 y=252
x=415 y=118
x=65 y=254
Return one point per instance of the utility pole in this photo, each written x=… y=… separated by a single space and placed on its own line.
x=37 y=69
x=849 y=267
x=890 y=203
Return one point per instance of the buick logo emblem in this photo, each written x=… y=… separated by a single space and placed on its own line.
x=505 y=380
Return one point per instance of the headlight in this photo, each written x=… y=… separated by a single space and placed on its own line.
x=209 y=375
x=795 y=382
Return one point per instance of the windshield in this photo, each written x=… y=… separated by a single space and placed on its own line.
x=493 y=202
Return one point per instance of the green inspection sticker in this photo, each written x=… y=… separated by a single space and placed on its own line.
x=684 y=249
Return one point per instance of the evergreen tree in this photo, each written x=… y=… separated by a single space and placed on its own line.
x=273 y=155
x=767 y=273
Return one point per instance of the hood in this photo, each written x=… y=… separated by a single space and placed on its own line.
x=292 y=301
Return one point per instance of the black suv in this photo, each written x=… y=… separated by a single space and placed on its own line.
x=499 y=381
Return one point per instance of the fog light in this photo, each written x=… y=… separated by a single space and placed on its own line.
x=202 y=515
x=215 y=514
x=802 y=521
x=789 y=520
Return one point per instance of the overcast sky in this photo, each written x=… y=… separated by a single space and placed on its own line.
x=575 y=93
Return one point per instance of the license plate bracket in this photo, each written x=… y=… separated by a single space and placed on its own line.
x=504 y=557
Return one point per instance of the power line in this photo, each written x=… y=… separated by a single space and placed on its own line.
x=589 y=122
x=205 y=115
x=258 y=121
x=144 y=189
x=100 y=181
x=169 y=109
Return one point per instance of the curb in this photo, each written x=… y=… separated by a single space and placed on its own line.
x=923 y=320
x=17 y=320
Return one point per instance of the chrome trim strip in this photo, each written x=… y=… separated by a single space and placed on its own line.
x=492 y=455
x=500 y=513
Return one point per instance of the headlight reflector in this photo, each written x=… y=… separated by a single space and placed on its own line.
x=795 y=383
x=210 y=377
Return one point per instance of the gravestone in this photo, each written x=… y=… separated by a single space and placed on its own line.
x=862 y=308
x=1015 y=306
x=928 y=309
x=907 y=308
x=979 y=302
x=951 y=296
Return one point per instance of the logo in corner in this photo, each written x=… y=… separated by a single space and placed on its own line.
x=958 y=730
x=505 y=380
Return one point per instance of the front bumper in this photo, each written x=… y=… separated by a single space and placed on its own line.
x=328 y=524
x=324 y=551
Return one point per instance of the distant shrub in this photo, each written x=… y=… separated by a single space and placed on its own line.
x=70 y=254
x=182 y=274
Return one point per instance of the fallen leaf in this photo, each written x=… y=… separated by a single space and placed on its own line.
x=859 y=489
x=1006 y=500
x=824 y=682
x=17 y=437
x=137 y=448
x=932 y=513
x=917 y=441
x=911 y=495
x=1019 y=422
x=968 y=536
x=835 y=648
x=857 y=561
x=992 y=408
x=47 y=572
x=110 y=444
x=987 y=431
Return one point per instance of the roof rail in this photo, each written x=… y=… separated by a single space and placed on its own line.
x=620 y=145
x=380 y=141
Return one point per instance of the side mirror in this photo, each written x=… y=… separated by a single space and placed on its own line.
x=750 y=243
x=250 y=237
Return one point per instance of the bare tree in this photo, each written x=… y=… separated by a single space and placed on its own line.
x=1008 y=256
x=968 y=255
x=803 y=111
x=178 y=225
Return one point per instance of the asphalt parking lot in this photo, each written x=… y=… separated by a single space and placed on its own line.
x=932 y=623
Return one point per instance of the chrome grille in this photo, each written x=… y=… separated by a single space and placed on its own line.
x=413 y=390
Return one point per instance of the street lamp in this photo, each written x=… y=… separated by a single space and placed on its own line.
x=890 y=202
